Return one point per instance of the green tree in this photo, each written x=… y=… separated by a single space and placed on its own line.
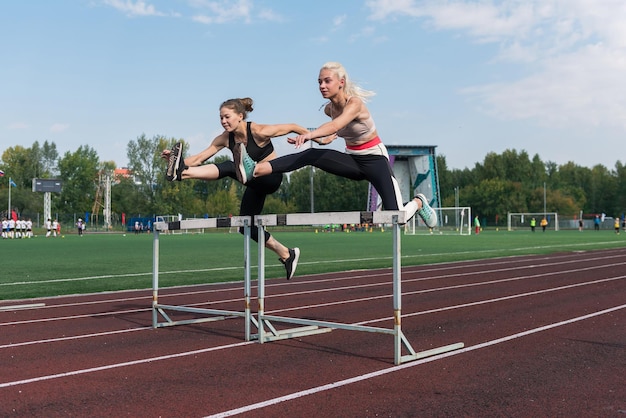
x=23 y=165
x=330 y=193
x=494 y=198
x=574 y=181
x=147 y=166
x=44 y=159
x=79 y=171
x=620 y=200
x=604 y=191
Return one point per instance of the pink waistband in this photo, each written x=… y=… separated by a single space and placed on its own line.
x=372 y=142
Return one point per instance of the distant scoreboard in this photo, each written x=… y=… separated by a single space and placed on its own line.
x=47 y=185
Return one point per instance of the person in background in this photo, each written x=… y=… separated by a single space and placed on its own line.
x=5 y=228
x=48 y=227
x=476 y=225
x=544 y=224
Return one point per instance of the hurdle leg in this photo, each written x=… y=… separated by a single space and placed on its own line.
x=400 y=340
x=246 y=279
x=397 y=291
x=161 y=310
x=155 y=276
x=261 y=279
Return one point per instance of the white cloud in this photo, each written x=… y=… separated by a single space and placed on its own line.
x=18 y=125
x=585 y=87
x=59 y=127
x=338 y=21
x=271 y=16
x=223 y=11
x=365 y=32
x=137 y=8
x=572 y=52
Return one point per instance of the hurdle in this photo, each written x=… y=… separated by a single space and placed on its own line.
x=312 y=326
x=162 y=310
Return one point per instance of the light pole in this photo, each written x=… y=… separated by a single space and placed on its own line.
x=456 y=205
x=544 y=199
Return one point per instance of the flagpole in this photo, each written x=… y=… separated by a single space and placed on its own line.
x=9 y=208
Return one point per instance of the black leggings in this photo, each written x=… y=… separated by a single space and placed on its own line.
x=254 y=196
x=373 y=168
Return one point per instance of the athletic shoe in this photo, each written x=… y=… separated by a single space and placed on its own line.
x=244 y=164
x=428 y=214
x=174 y=162
x=291 y=263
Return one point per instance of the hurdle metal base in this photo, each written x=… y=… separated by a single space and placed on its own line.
x=263 y=321
x=212 y=315
x=284 y=334
x=312 y=326
x=220 y=315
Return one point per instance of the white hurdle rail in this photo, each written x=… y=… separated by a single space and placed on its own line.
x=312 y=326
x=212 y=314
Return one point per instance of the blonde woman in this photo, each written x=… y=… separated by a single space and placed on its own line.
x=365 y=157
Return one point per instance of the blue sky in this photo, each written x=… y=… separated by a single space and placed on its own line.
x=470 y=77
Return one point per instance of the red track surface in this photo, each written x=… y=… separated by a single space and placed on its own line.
x=543 y=335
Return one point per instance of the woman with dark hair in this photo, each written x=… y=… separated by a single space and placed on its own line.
x=256 y=142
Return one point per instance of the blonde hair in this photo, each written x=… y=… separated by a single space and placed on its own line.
x=351 y=88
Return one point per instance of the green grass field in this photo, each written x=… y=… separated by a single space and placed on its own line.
x=41 y=266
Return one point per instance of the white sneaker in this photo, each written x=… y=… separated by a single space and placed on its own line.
x=428 y=214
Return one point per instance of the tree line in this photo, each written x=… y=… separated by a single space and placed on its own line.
x=501 y=183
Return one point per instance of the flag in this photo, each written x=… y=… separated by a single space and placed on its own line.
x=1 y=173
x=12 y=183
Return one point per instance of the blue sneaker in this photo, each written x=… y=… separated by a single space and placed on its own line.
x=244 y=164
x=428 y=214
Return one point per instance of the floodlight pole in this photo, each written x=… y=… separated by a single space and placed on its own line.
x=544 y=199
x=456 y=205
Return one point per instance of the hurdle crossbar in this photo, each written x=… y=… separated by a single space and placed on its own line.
x=312 y=326
x=211 y=314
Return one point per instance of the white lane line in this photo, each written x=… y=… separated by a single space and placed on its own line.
x=124 y=364
x=312 y=390
x=370 y=321
x=473 y=252
x=334 y=385
x=75 y=337
x=22 y=307
x=308 y=282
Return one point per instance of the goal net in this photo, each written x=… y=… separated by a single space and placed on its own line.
x=520 y=221
x=452 y=220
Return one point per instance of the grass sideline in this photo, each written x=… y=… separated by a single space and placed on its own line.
x=41 y=267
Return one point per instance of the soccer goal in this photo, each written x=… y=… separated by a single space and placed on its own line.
x=518 y=221
x=452 y=220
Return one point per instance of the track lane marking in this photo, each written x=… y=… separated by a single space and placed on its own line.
x=183 y=354
x=371 y=321
x=345 y=382
x=112 y=276
x=124 y=364
x=334 y=289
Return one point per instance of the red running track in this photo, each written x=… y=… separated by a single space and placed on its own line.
x=545 y=336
